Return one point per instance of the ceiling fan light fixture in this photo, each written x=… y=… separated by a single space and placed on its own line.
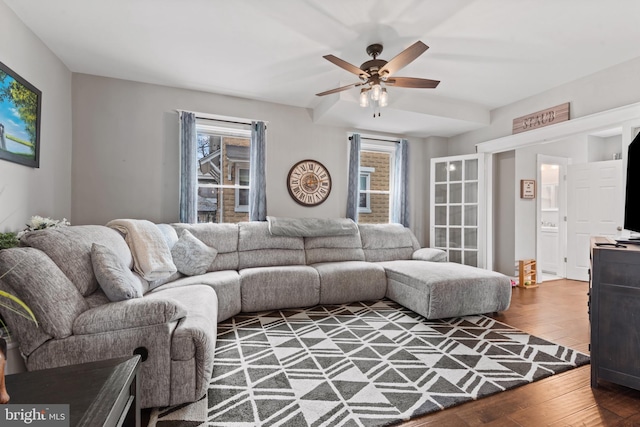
x=364 y=98
x=384 y=98
x=376 y=90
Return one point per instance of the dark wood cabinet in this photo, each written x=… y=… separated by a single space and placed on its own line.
x=615 y=314
x=99 y=394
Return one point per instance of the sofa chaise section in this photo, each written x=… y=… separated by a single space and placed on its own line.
x=438 y=290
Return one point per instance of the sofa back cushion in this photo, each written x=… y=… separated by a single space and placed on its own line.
x=70 y=248
x=387 y=242
x=333 y=248
x=222 y=237
x=258 y=248
x=46 y=290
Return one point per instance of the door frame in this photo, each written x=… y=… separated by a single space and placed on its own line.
x=627 y=117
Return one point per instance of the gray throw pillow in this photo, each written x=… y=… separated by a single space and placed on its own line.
x=191 y=256
x=116 y=279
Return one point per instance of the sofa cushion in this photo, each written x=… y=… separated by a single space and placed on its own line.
x=333 y=248
x=191 y=256
x=348 y=281
x=222 y=237
x=430 y=254
x=269 y=288
x=31 y=336
x=387 y=242
x=70 y=248
x=258 y=248
x=116 y=279
x=226 y=283
x=44 y=288
x=130 y=314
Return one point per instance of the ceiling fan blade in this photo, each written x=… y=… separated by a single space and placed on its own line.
x=403 y=58
x=412 y=82
x=339 y=89
x=344 y=64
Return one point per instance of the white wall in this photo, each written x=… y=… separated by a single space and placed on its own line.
x=125 y=154
x=45 y=191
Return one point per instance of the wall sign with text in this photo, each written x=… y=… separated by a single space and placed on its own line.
x=550 y=116
x=527 y=188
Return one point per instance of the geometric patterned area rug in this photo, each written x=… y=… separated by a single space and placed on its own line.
x=360 y=364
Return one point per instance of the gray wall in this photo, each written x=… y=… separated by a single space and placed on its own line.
x=504 y=189
x=125 y=153
x=45 y=191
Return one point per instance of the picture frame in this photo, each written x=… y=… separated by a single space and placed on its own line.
x=527 y=188
x=20 y=115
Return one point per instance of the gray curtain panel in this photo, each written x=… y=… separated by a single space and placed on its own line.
x=353 y=189
x=188 y=170
x=400 y=213
x=257 y=175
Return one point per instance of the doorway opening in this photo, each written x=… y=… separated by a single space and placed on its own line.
x=551 y=230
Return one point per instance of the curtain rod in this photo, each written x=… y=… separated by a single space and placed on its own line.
x=223 y=121
x=377 y=139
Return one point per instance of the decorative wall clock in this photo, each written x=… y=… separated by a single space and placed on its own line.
x=309 y=183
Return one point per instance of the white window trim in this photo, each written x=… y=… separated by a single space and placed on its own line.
x=238 y=187
x=366 y=172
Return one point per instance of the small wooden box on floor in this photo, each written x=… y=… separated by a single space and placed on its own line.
x=527 y=273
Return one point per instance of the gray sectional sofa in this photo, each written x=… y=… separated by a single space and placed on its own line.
x=252 y=268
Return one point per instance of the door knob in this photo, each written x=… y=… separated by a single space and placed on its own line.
x=619 y=228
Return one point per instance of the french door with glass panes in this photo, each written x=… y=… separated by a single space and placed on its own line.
x=457 y=208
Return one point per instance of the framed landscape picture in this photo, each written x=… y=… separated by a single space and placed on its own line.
x=20 y=104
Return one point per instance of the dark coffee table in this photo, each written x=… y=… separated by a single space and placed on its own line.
x=100 y=393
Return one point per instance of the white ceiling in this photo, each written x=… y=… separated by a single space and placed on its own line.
x=486 y=53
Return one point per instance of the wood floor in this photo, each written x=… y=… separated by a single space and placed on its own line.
x=556 y=311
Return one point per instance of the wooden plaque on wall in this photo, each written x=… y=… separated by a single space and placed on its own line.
x=550 y=116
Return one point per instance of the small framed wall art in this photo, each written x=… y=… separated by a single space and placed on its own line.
x=527 y=188
x=20 y=104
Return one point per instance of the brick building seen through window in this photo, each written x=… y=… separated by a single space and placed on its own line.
x=223 y=177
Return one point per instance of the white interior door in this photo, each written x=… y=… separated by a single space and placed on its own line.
x=595 y=208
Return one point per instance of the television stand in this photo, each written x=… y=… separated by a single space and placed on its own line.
x=632 y=241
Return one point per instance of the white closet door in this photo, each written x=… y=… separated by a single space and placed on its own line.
x=457 y=208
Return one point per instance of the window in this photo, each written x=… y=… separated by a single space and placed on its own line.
x=376 y=163
x=242 y=187
x=223 y=173
x=364 y=205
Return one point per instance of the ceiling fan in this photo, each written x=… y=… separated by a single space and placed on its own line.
x=376 y=72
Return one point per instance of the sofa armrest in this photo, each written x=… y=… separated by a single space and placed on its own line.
x=430 y=254
x=132 y=313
